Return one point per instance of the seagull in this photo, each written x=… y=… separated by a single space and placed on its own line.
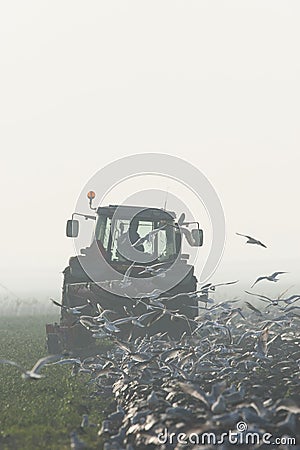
x=252 y=240
x=181 y=219
x=264 y=298
x=32 y=374
x=148 y=236
x=85 y=421
x=212 y=287
x=160 y=271
x=76 y=310
x=272 y=277
x=138 y=321
x=251 y=333
x=148 y=269
x=112 y=326
x=150 y=295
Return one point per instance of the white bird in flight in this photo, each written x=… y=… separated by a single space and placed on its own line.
x=252 y=240
x=272 y=277
x=32 y=374
x=76 y=310
x=160 y=271
x=148 y=236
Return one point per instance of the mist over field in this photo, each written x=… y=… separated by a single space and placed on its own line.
x=83 y=85
x=208 y=90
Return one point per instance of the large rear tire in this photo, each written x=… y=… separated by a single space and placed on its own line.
x=78 y=336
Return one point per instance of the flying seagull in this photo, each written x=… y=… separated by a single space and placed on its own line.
x=148 y=236
x=76 y=310
x=32 y=374
x=212 y=287
x=252 y=240
x=272 y=277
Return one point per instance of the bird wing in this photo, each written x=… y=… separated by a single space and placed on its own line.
x=147 y=236
x=274 y=275
x=66 y=361
x=56 y=303
x=284 y=292
x=100 y=309
x=41 y=362
x=225 y=284
x=194 y=391
x=244 y=335
x=12 y=363
x=205 y=289
x=150 y=269
x=111 y=327
x=240 y=313
x=290 y=298
x=262 y=245
x=260 y=296
x=146 y=270
x=181 y=219
x=127 y=273
x=155 y=318
x=290 y=308
x=129 y=298
x=244 y=235
x=123 y=345
x=146 y=315
x=258 y=279
x=123 y=320
x=250 y=306
x=80 y=307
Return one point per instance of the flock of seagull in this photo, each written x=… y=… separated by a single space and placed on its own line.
x=236 y=364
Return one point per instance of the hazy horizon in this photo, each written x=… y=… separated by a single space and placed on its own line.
x=83 y=85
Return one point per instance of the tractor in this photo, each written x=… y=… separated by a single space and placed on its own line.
x=104 y=276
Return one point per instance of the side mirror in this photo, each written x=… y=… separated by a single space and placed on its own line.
x=72 y=229
x=197 y=236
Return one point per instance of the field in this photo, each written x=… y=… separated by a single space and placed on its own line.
x=40 y=415
x=237 y=367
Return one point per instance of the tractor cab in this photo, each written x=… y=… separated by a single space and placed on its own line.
x=151 y=232
x=126 y=234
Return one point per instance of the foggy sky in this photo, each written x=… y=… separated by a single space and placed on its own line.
x=85 y=83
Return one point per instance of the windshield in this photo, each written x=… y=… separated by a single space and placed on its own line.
x=160 y=244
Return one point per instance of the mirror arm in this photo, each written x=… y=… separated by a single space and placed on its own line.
x=86 y=216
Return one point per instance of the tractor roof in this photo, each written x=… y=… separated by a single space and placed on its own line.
x=127 y=212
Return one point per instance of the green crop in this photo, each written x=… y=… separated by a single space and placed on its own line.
x=41 y=414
